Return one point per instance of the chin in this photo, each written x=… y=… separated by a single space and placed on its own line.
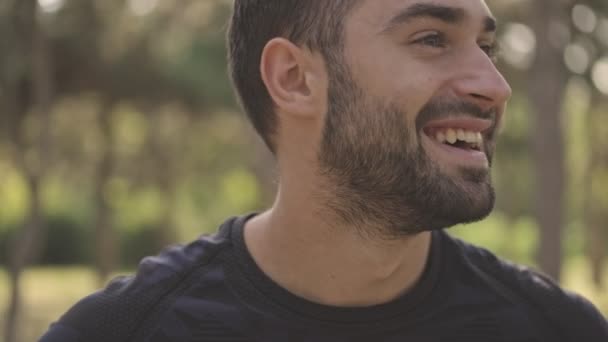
x=471 y=200
x=475 y=204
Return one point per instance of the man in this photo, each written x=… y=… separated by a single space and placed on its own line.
x=382 y=115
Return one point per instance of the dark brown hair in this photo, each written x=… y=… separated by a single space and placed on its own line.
x=315 y=24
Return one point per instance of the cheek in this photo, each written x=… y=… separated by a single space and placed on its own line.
x=404 y=82
x=413 y=95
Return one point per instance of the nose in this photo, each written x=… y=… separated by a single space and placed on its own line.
x=480 y=82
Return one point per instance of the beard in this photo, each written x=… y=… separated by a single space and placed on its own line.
x=379 y=177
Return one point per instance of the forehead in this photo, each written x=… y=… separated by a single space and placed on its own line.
x=379 y=13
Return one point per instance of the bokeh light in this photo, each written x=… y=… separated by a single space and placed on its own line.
x=50 y=6
x=584 y=18
x=577 y=58
x=600 y=75
x=518 y=45
x=142 y=7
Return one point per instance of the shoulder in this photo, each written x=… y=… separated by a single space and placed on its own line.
x=567 y=311
x=117 y=311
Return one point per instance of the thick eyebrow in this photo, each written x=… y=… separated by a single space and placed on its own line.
x=450 y=15
x=447 y=14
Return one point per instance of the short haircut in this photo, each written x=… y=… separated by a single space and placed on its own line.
x=315 y=24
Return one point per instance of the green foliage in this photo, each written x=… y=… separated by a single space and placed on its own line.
x=6 y=235
x=138 y=243
x=67 y=243
x=513 y=239
x=574 y=241
x=13 y=197
x=130 y=129
x=512 y=169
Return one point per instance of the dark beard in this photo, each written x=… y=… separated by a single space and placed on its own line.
x=380 y=178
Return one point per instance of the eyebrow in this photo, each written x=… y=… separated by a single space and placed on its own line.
x=447 y=14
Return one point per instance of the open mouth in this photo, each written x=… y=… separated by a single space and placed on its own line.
x=464 y=139
x=459 y=141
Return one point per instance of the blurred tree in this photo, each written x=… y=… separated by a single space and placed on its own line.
x=105 y=235
x=122 y=56
x=590 y=37
x=546 y=45
x=595 y=182
x=94 y=55
x=547 y=84
x=28 y=132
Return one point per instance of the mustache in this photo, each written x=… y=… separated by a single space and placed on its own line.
x=440 y=109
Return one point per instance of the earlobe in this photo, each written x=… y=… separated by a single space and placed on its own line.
x=285 y=73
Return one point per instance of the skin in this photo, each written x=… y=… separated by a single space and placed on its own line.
x=321 y=240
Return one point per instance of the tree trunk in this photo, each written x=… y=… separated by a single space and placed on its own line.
x=547 y=86
x=30 y=238
x=105 y=237
x=595 y=231
x=164 y=175
x=167 y=232
x=27 y=244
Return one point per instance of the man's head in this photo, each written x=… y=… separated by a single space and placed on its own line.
x=314 y=24
x=406 y=102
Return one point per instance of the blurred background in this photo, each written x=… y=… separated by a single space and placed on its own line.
x=119 y=135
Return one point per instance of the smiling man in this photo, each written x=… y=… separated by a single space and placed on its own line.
x=382 y=115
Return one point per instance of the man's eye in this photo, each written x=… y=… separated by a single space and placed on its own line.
x=491 y=50
x=436 y=40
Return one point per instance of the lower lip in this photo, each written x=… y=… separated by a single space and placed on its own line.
x=472 y=158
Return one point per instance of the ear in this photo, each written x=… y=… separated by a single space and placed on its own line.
x=293 y=78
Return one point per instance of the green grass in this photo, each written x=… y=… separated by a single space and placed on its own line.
x=49 y=292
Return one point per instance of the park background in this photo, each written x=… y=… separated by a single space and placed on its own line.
x=120 y=134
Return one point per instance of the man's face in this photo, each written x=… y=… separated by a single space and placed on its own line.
x=414 y=103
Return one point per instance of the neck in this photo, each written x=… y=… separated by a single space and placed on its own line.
x=331 y=263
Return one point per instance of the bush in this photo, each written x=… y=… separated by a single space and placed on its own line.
x=6 y=234
x=139 y=243
x=65 y=242
x=68 y=242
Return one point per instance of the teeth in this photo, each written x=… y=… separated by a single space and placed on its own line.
x=471 y=137
x=451 y=136
x=461 y=135
x=440 y=137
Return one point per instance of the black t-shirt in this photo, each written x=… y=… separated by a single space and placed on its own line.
x=212 y=290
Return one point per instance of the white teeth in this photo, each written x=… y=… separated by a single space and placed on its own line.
x=471 y=137
x=461 y=135
x=440 y=137
x=451 y=136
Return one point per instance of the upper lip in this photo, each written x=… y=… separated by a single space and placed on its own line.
x=464 y=123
